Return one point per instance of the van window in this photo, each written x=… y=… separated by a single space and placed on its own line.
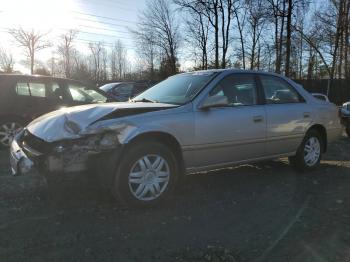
x=22 y=89
x=30 y=89
x=37 y=89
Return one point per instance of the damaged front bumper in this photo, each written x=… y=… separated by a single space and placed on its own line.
x=30 y=154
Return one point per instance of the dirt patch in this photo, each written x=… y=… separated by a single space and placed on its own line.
x=264 y=212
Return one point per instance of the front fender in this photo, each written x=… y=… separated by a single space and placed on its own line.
x=128 y=135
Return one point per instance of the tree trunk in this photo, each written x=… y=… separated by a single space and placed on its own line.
x=276 y=42
x=279 y=64
x=252 y=57
x=289 y=36
x=240 y=30
x=32 y=57
x=301 y=57
x=347 y=43
x=216 y=40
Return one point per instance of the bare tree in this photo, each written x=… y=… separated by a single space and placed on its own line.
x=65 y=49
x=31 y=41
x=147 y=48
x=212 y=10
x=97 y=50
x=160 y=18
x=256 y=20
x=226 y=13
x=277 y=13
x=289 y=36
x=197 y=26
x=118 y=60
x=6 y=61
x=80 y=68
x=240 y=13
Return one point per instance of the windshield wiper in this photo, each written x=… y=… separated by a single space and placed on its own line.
x=146 y=100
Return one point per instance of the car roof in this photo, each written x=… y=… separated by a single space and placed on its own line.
x=234 y=70
x=24 y=76
x=243 y=71
x=117 y=83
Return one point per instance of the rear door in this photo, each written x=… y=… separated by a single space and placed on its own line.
x=31 y=95
x=287 y=115
x=37 y=96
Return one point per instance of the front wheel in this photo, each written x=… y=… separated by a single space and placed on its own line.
x=347 y=129
x=309 y=153
x=147 y=174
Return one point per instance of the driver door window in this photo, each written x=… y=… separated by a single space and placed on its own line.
x=240 y=90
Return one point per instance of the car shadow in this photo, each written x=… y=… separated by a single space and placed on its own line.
x=241 y=183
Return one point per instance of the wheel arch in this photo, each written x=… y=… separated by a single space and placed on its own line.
x=13 y=116
x=163 y=137
x=323 y=132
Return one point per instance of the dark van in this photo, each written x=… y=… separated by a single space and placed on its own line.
x=25 y=97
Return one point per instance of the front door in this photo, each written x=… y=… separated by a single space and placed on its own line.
x=235 y=132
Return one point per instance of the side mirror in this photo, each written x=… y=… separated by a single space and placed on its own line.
x=214 y=101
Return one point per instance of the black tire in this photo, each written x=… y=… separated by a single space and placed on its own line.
x=7 y=121
x=298 y=161
x=122 y=188
x=347 y=130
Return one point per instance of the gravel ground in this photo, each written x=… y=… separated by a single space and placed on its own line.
x=264 y=212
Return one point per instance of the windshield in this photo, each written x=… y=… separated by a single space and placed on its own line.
x=86 y=94
x=178 y=89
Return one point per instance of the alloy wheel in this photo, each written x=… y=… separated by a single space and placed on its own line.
x=149 y=177
x=8 y=131
x=312 y=151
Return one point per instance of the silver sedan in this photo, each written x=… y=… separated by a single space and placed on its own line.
x=189 y=123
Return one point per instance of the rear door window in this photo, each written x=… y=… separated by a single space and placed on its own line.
x=30 y=89
x=278 y=91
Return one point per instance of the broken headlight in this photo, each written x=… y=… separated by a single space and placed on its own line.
x=109 y=140
x=90 y=143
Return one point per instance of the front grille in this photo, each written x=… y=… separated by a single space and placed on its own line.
x=35 y=143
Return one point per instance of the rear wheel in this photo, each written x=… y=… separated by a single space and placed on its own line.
x=146 y=175
x=309 y=153
x=8 y=128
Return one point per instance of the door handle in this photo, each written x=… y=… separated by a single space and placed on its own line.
x=257 y=119
x=306 y=114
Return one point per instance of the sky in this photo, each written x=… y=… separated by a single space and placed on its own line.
x=95 y=20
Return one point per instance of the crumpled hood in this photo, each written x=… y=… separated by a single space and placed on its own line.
x=70 y=122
